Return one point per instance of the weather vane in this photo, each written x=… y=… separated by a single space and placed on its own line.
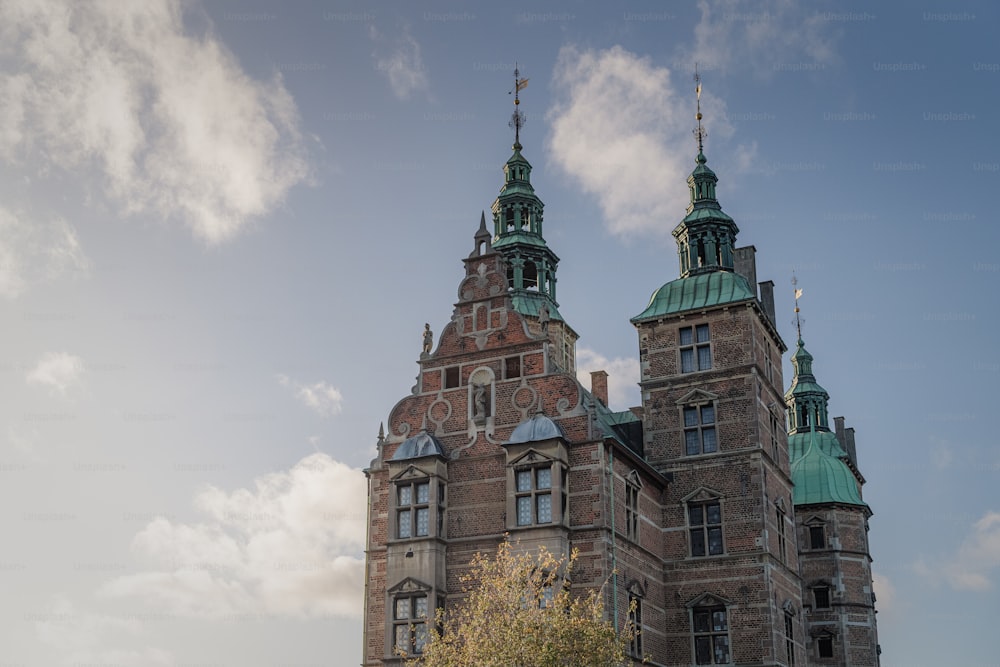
x=798 y=293
x=517 y=118
x=699 y=132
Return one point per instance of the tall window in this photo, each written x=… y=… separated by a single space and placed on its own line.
x=817 y=537
x=632 y=511
x=824 y=643
x=780 y=516
x=774 y=436
x=534 y=495
x=711 y=636
x=789 y=640
x=705 y=520
x=413 y=513
x=635 y=619
x=699 y=429
x=409 y=623
x=696 y=352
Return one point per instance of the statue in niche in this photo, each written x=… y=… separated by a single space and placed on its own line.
x=479 y=399
x=543 y=317
x=428 y=338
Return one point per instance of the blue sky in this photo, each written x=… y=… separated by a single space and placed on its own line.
x=223 y=225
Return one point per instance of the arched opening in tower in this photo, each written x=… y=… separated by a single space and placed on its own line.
x=530 y=276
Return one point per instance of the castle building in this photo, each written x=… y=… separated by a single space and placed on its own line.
x=725 y=508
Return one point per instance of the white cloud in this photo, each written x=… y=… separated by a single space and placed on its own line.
x=623 y=376
x=33 y=252
x=885 y=593
x=320 y=397
x=972 y=566
x=289 y=546
x=400 y=62
x=760 y=37
x=622 y=130
x=56 y=370
x=81 y=637
x=167 y=122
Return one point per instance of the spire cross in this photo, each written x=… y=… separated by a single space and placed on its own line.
x=699 y=132
x=798 y=293
x=517 y=118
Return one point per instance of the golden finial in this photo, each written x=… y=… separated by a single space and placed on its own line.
x=517 y=119
x=798 y=293
x=699 y=132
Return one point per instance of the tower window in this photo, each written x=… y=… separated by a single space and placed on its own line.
x=635 y=620
x=632 y=511
x=696 y=349
x=534 y=495
x=817 y=537
x=699 y=429
x=512 y=367
x=530 y=275
x=789 y=640
x=705 y=521
x=825 y=646
x=509 y=218
x=451 y=377
x=413 y=513
x=821 y=596
x=409 y=623
x=711 y=636
x=780 y=516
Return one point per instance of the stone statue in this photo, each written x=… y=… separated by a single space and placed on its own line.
x=543 y=317
x=480 y=401
x=428 y=338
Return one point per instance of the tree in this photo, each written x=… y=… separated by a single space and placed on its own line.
x=519 y=611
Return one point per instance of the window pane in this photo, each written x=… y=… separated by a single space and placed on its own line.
x=702 y=333
x=544 y=508
x=686 y=336
x=691 y=444
x=703 y=650
x=701 y=621
x=406 y=495
x=817 y=538
x=524 y=480
x=719 y=620
x=420 y=607
x=714 y=541
x=687 y=360
x=704 y=358
x=697 y=515
x=403 y=637
x=423 y=493
x=709 y=443
x=697 y=542
x=544 y=477
x=822 y=597
x=524 y=511
x=402 y=609
x=690 y=416
x=404 y=524
x=721 y=650
x=423 y=521
x=419 y=637
x=708 y=414
x=826 y=647
x=714 y=512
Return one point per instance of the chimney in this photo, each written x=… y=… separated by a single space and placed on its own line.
x=852 y=451
x=599 y=386
x=838 y=426
x=767 y=299
x=745 y=264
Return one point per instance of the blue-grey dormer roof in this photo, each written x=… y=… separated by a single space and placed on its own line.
x=539 y=427
x=422 y=444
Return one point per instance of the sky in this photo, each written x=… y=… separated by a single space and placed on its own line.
x=223 y=226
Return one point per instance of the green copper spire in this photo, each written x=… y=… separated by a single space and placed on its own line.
x=821 y=477
x=806 y=399
x=517 y=225
x=706 y=236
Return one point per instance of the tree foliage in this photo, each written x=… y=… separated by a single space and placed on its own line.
x=518 y=611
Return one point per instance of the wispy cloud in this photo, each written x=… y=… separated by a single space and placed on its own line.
x=622 y=129
x=289 y=546
x=166 y=121
x=320 y=397
x=33 y=252
x=760 y=37
x=973 y=565
x=623 y=376
x=400 y=62
x=58 y=371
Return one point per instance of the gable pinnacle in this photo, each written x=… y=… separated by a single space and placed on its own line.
x=699 y=132
x=798 y=293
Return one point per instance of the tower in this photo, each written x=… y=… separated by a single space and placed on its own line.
x=832 y=525
x=710 y=359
